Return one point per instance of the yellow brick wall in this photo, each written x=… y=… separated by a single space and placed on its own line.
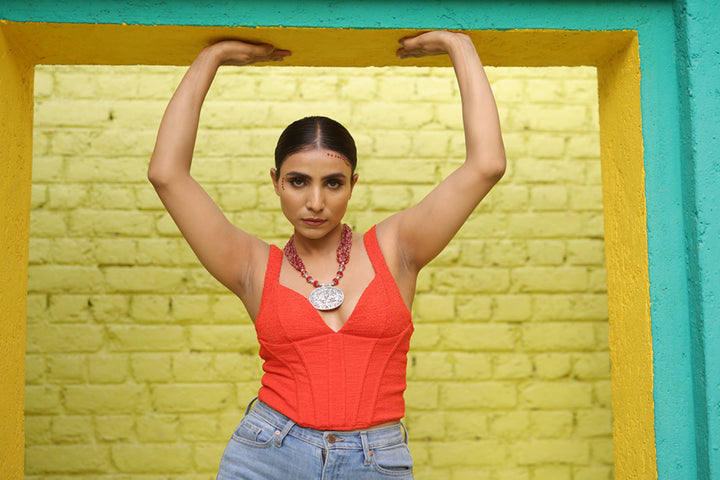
x=139 y=364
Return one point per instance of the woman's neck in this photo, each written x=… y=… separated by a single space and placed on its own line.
x=318 y=247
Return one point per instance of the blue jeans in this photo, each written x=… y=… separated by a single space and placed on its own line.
x=268 y=445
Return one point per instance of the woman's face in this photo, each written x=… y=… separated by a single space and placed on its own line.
x=314 y=187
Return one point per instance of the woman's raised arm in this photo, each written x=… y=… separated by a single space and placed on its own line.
x=226 y=251
x=420 y=233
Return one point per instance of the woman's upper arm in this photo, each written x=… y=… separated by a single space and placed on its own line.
x=422 y=231
x=227 y=252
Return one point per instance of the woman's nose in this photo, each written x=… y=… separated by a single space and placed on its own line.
x=316 y=200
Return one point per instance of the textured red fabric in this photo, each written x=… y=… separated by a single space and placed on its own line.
x=350 y=379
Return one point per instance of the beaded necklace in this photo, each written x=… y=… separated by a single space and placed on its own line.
x=326 y=296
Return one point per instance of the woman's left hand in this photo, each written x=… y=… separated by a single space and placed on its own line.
x=428 y=43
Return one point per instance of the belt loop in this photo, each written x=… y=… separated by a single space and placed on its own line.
x=281 y=434
x=366 y=447
x=247 y=410
x=407 y=436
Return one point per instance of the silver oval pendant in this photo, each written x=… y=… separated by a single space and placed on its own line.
x=326 y=297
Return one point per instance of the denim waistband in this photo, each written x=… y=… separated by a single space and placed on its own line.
x=355 y=439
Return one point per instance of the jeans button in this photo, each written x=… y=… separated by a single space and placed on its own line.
x=331 y=438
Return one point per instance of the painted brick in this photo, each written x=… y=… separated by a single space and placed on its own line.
x=550 y=118
x=512 y=366
x=115 y=222
x=556 y=395
x=547 y=145
x=425 y=426
x=435 y=308
x=108 y=399
x=472 y=366
x=591 y=366
x=35 y=367
x=67 y=196
x=569 y=307
x=65 y=459
x=479 y=337
x=37 y=430
x=179 y=398
x=422 y=395
x=42 y=399
x=64 y=339
x=552 y=451
x=594 y=423
x=469 y=424
x=546 y=252
x=506 y=253
x=508 y=198
x=48 y=224
x=151 y=458
x=511 y=308
x=545 y=279
x=551 y=424
x=552 y=366
x=69 y=309
x=432 y=366
x=472 y=252
x=488 y=394
x=584 y=146
x=513 y=424
x=66 y=369
x=559 y=336
x=602 y=450
x=143 y=279
x=114 y=428
x=488 y=280
x=126 y=338
x=229 y=309
x=206 y=457
x=108 y=368
x=586 y=252
x=468 y=453
x=203 y=427
x=157 y=429
x=425 y=337
x=150 y=308
x=241 y=339
x=110 y=308
x=601 y=394
x=558 y=472
x=72 y=429
x=151 y=367
x=593 y=473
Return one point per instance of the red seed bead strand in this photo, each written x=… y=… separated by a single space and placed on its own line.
x=342 y=255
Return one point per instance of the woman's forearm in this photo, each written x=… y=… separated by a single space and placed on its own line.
x=483 y=140
x=178 y=129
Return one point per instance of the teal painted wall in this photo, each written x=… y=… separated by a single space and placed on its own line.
x=680 y=66
x=699 y=48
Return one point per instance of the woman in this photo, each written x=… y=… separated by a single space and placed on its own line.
x=334 y=348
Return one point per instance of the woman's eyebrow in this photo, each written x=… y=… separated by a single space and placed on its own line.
x=338 y=175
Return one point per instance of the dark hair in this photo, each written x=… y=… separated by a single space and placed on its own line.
x=315 y=132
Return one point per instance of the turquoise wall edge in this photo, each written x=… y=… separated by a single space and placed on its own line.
x=699 y=52
x=459 y=14
x=681 y=109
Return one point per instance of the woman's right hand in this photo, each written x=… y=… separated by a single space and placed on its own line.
x=236 y=52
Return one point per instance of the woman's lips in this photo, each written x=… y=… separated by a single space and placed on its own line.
x=313 y=222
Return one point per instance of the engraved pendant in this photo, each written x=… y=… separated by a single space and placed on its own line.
x=326 y=297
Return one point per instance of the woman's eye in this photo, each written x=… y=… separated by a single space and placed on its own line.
x=296 y=182
x=334 y=183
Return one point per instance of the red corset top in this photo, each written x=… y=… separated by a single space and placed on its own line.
x=350 y=379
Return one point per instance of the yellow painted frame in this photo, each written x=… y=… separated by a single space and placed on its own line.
x=614 y=53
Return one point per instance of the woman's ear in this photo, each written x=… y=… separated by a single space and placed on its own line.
x=353 y=181
x=275 y=180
